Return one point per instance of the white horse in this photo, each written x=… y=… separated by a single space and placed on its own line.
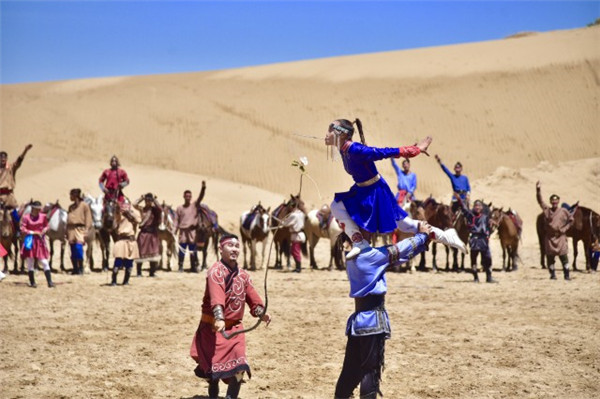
x=57 y=230
x=97 y=208
x=314 y=232
x=255 y=231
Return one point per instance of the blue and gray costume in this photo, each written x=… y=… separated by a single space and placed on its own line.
x=460 y=185
x=479 y=239
x=369 y=326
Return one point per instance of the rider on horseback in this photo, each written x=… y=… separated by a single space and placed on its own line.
x=407 y=182
x=113 y=180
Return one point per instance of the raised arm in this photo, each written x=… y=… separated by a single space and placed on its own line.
x=19 y=161
x=201 y=195
x=396 y=167
x=538 y=193
x=444 y=168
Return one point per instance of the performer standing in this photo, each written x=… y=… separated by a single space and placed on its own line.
x=147 y=240
x=479 y=240
x=113 y=180
x=34 y=227
x=370 y=204
x=557 y=221
x=7 y=178
x=294 y=221
x=186 y=224
x=79 y=222
x=126 y=249
x=369 y=326
x=227 y=290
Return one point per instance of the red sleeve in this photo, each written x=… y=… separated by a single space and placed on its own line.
x=252 y=298
x=24 y=225
x=215 y=284
x=409 y=151
x=124 y=176
x=103 y=177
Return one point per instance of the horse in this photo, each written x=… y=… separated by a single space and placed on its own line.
x=166 y=234
x=281 y=236
x=585 y=228
x=254 y=227
x=57 y=230
x=331 y=229
x=97 y=232
x=509 y=235
x=208 y=227
x=438 y=215
x=9 y=238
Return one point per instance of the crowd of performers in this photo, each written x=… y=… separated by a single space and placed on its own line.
x=369 y=206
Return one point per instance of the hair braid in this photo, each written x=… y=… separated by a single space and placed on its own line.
x=358 y=124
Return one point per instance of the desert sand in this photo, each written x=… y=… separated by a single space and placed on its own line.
x=513 y=111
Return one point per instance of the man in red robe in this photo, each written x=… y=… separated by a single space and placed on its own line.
x=113 y=180
x=228 y=289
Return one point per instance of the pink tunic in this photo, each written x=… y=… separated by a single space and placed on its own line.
x=112 y=178
x=29 y=224
x=186 y=221
x=217 y=357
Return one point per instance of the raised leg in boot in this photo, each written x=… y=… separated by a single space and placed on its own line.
x=350 y=228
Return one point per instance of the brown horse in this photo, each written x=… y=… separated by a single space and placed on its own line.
x=585 y=228
x=438 y=215
x=331 y=229
x=254 y=228
x=509 y=235
x=9 y=238
x=208 y=228
x=281 y=236
x=416 y=212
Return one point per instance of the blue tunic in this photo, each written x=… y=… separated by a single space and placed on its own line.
x=406 y=181
x=460 y=184
x=372 y=208
x=366 y=274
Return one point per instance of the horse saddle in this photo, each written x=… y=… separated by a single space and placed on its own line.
x=209 y=214
x=324 y=216
x=248 y=220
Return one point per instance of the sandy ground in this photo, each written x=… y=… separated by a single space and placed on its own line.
x=514 y=111
x=526 y=337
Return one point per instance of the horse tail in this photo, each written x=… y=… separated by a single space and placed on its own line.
x=304 y=248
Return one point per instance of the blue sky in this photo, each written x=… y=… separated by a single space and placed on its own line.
x=58 y=40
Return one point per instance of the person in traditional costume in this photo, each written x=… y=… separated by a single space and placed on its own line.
x=126 y=250
x=8 y=183
x=147 y=240
x=479 y=238
x=407 y=181
x=370 y=204
x=186 y=224
x=79 y=222
x=113 y=180
x=557 y=220
x=34 y=227
x=369 y=326
x=228 y=289
x=294 y=221
x=460 y=184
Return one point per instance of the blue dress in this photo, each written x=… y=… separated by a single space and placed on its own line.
x=373 y=208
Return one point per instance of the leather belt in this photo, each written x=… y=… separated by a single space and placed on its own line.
x=4 y=191
x=369 y=182
x=206 y=318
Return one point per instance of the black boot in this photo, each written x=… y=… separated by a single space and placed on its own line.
x=32 y=283
x=372 y=395
x=113 y=281
x=138 y=267
x=475 y=275
x=488 y=276
x=213 y=389
x=48 y=274
x=180 y=259
x=298 y=268
x=74 y=264
x=127 y=275
x=194 y=261
x=153 y=267
x=233 y=389
x=566 y=273
x=552 y=272
x=80 y=266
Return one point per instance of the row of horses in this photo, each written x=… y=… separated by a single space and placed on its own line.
x=257 y=224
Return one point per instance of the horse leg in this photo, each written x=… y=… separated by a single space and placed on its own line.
x=62 y=256
x=462 y=262
x=587 y=250
x=51 y=256
x=447 y=259
x=244 y=243
x=312 y=244
x=575 y=243
x=454 y=260
x=503 y=258
x=253 y=255
x=422 y=264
